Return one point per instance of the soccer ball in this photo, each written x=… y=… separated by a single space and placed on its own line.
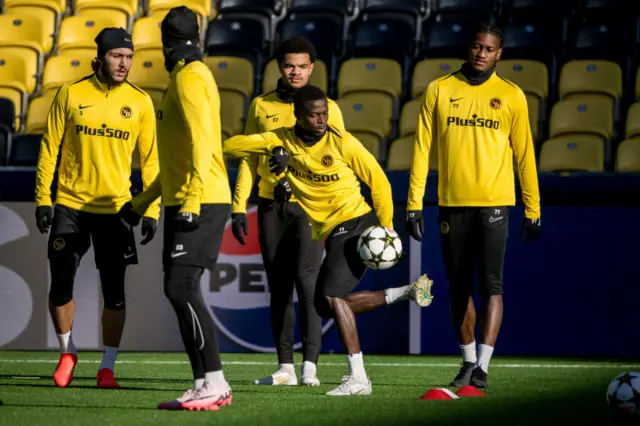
x=623 y=395
x=379 y=247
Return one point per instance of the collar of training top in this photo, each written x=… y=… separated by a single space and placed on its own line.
x=102 y=86
x=285 y=92
x=308 y=137
x=474 y=77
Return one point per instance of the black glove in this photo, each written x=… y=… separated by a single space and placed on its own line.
x=44 y=216
x=186 y=222
x=278 y=160
x=128 y=215
x=239 y=225
x=282 y=195
x=149 y=229
x=415 y=224
x=530 y=229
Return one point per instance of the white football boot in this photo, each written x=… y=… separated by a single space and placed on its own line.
x=282 y=377
x=420 y=291
x=352 y=385
x=309 y=378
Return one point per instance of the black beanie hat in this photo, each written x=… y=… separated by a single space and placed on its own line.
x=112 y=38
x=179 y=27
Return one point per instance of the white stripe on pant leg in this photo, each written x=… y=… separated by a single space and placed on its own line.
x=415 y=311
x=195 y=320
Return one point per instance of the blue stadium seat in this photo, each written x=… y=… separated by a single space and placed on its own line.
x=5 y=142
x=339 y=7
x=325 y=32
x=384 y=37
x=265 y=7
x=553 y=15
x=601 y=41
x=237 y=37
x=447 y=37
x=7 y=113
x=481 y=10
x=415 y=8
x=25 y=149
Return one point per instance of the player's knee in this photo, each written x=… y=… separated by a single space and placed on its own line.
x=323 y=306
x=493 y=288
x=112 y=280
x=180 y=282
x=60 y=295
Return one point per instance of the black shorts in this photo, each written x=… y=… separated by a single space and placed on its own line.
x=474 y=237
x=199 y=247
x=342 y=268
x=73 y=231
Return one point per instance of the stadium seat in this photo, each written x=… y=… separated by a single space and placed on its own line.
x=531 y=76
x=232 y=115
x=584 y=153
x=633 y=121
x=400 y=155
x=384 y=37
x=367 y=113
x=628 y=156
x=45 y=17
x=591 y=116
x=532 y=41
x=409 y=117
x=534 y=108
x=370 y=75
x=266 y=7
x=25 y=149
x=60 y=6
x=324 y=32
x=590 y=76
x=7 y=114
x=5 y=143
x=37 y=113
x=600 y=41
x=373 y=143
x=428 y=70
x=481 y=10
x=272 y=74
x=16 y=71
x=232 y=74
x=237 y=37
x=200 y=7
x=339 y=7
x=23 y=37
x=146 y=34
x=128 y=8
x=148 y=73
x=447 y=37
x=117 y=18
x=61 y=69
x=15 y=93
x=413 y=7
x=77 y=34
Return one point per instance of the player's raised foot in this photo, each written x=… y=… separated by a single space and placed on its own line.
x=209 y=397
x=479 y=378
x=464 y=375
x=309 y=377
x=106 y=379
x=63 y=375
x=279 y=378
x=352 y=385
x=176 y=404
x=420 y=291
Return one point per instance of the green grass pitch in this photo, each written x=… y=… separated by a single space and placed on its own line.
x=523 y=391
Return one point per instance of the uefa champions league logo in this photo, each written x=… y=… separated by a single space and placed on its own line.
x=238 y=295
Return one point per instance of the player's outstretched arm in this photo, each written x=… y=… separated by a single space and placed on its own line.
x=243 y=145
x=424 y=135
x=148 y=149
x=48 y=157
x=367 y=168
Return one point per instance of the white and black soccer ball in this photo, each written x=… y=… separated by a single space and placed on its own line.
x=379 y=247
x=623 y=395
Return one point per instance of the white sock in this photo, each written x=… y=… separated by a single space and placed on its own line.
x=356 y=366
x=216 y=378
x=66 y=343
x=198 y=383
x=469 y=352
x=109 y=358
x=289 y=368
x=308 y=369
x=484 y=357
x=396 y=294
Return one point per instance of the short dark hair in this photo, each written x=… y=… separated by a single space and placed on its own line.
x=306 y=94
x=486 y=28
x=295 y=45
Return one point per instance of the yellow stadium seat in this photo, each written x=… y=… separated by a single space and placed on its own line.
x=401 y=155
x=590 y=116
x=46 y=21
x=590 y=76
x=232 y=74
x=633 y=121
x=201 y=7
x=15 y=93
x=59 y=6
x=367 y=112
x=272 y=74
x=628 y=156
x=533 y=106
x=569 y=153
x=146 y=34
x=77 y=34
x=37 y=113
x=118 y=18
x=23 y=37
x=531 y=76
x=370 y=75
x=372 y=142
x=232 y=114
x=148 y=73
x=409 y=117
x=127 y=7
x=428 y=70
x=16 y=70
x=61 y=69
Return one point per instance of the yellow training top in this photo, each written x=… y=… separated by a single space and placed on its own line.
x=266 y=113
x=479 y=130
x=98 y=128
x=324 y=176
x=192 y=168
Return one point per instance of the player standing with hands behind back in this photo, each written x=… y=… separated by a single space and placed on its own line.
x=480 y=123
x=283 y=227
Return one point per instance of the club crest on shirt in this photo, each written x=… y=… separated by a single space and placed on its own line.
x=327 y=160
x=125 y=112
x=495 y=103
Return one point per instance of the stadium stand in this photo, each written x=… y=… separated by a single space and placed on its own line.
x=318 y=78
x=574 y=152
